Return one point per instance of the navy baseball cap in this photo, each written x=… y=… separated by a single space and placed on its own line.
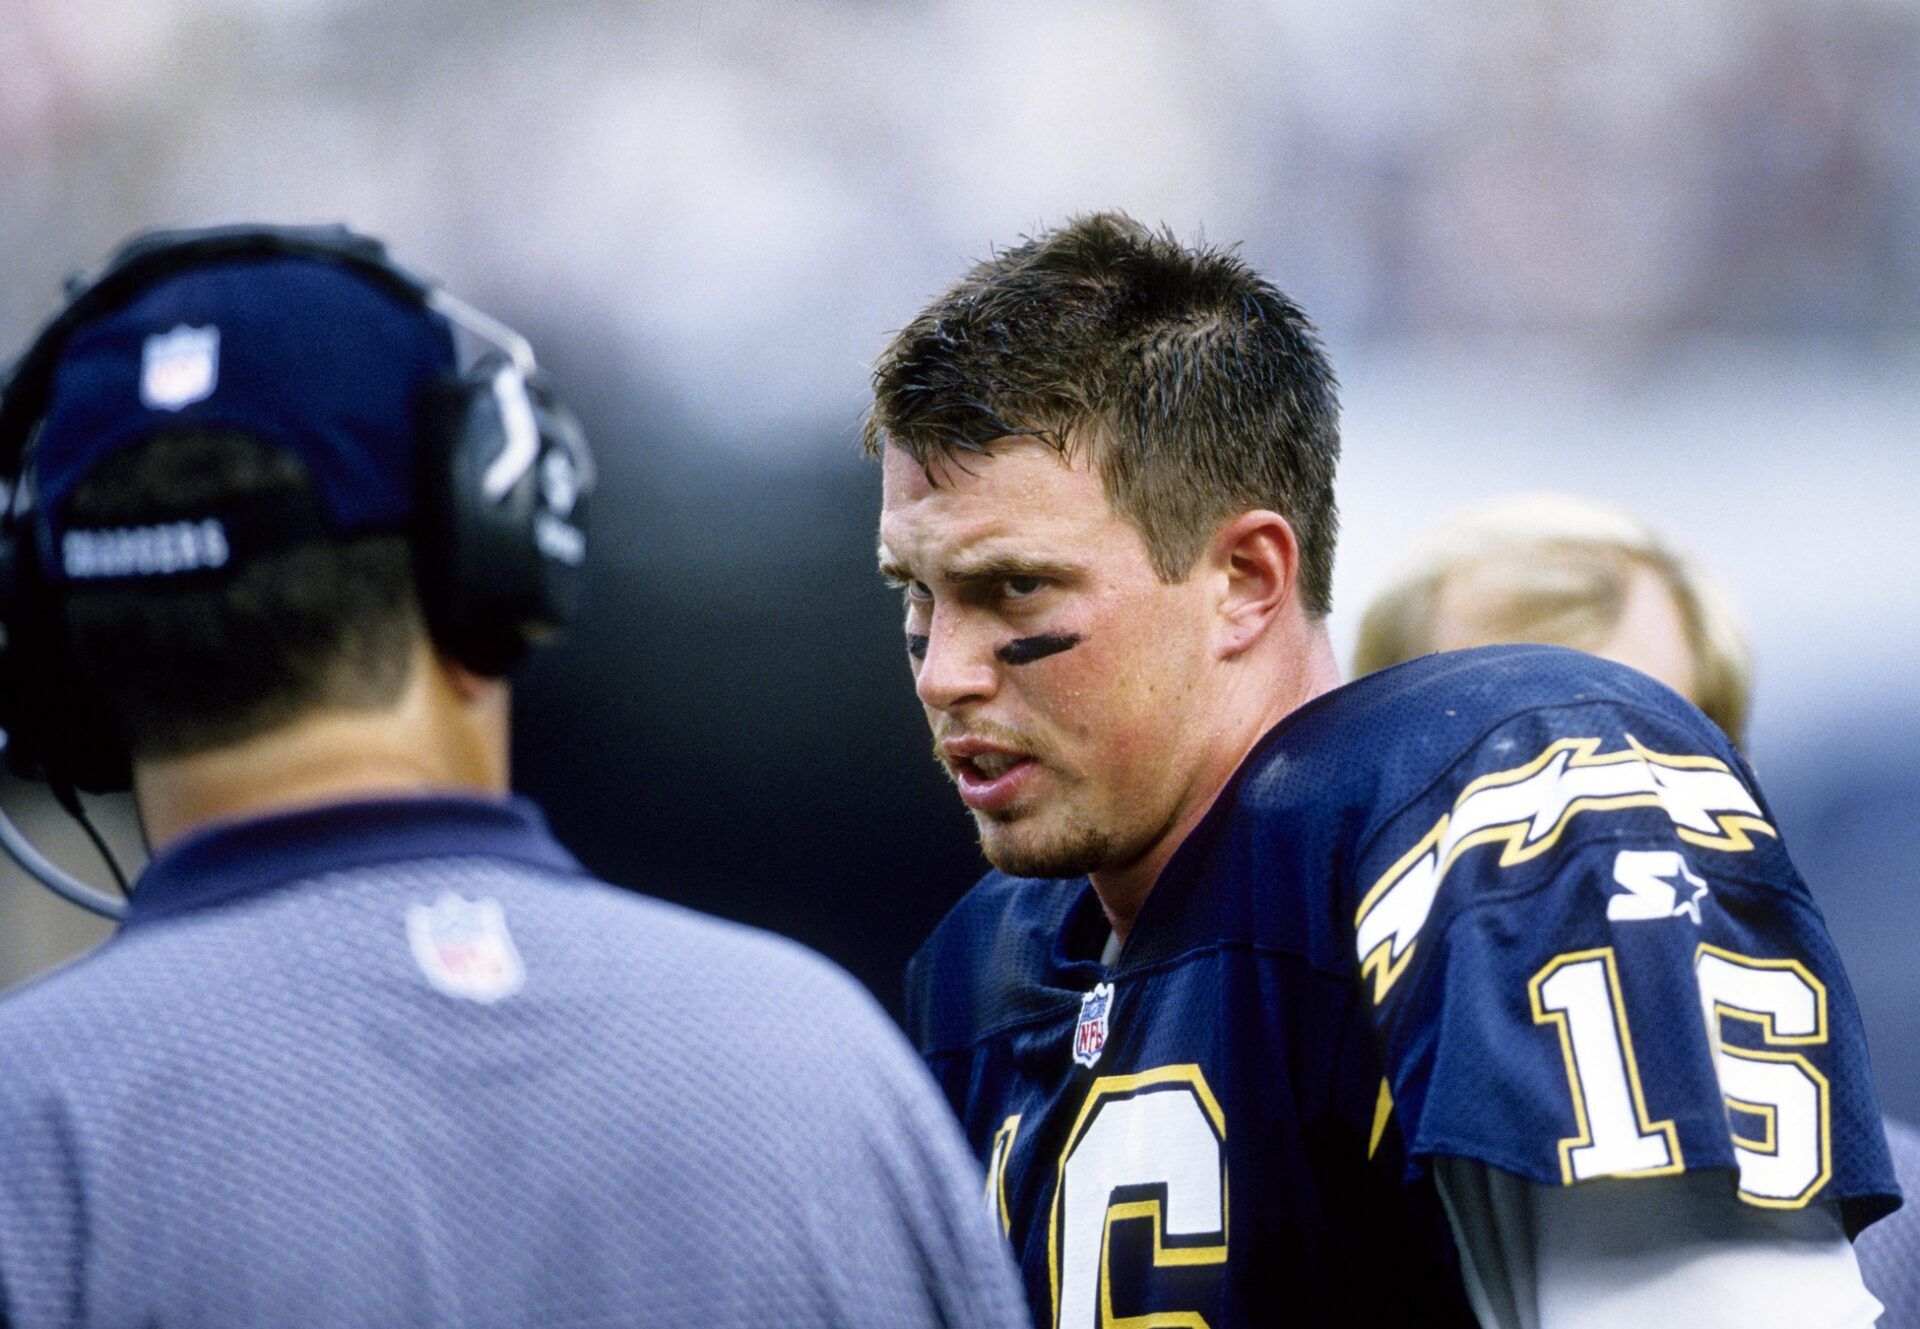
x=306 y=353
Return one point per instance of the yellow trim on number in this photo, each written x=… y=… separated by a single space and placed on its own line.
x=1112 y=1086
x=1767 y=1113
x=1541 y=1015
x=1769 y=1035
x=999 y=1153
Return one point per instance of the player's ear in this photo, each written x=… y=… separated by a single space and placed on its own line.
x=1255 y=559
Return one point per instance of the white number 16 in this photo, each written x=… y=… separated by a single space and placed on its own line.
x=1786 y=1163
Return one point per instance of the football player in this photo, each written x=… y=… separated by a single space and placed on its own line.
x=1568 y=571
x=1481 y=984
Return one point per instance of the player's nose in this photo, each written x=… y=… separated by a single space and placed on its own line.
x=958 y=667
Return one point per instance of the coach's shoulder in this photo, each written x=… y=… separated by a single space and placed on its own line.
x=657 y=951
x=51 y=1025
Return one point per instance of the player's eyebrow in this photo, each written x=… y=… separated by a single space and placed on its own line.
x=892 y=569
x=1000 y=567
x=988 y=567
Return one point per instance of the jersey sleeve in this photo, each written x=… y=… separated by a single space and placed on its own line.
x=1588 y=955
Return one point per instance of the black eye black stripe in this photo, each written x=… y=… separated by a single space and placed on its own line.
x=1025 y=650
x=1019 y=651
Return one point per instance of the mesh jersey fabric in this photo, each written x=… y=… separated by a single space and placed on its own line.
x=1889 y=1251
x=1348 y=969
x=252 y=1106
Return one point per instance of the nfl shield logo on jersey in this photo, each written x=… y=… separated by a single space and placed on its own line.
x=1090 y=1035
x=179 y=368
x=464 y=948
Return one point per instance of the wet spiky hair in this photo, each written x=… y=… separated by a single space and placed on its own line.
x=1198 y=389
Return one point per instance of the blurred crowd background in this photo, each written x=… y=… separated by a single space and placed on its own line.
x=1662 y=254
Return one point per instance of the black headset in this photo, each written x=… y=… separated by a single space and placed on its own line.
x=498 y=536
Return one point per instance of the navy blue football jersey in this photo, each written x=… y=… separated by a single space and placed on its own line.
x=1517 y=905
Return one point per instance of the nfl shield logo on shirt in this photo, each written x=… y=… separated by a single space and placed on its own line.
x=464 y=948
x=1090 y=1035
x=179 y=368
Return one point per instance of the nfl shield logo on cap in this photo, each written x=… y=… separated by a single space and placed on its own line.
x=1090 y=1035
x=464 y=948
x=179 y=368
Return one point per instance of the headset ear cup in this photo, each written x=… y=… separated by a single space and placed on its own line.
x=497 y=549
x=444 y=540
x=565 y=482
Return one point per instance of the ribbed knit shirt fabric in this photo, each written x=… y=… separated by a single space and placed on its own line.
x=262 y=1103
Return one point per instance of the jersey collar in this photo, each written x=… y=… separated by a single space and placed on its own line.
x=230 y=860
x=1178 y=914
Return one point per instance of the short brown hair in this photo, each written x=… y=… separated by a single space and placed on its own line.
x=1556 y=569
x=317 y=626
x=1198 y=389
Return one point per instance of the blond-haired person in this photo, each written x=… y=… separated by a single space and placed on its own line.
x=1566 y=571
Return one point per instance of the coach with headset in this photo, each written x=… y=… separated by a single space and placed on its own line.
x=370 y=1047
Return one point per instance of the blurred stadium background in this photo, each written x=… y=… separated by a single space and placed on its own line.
x=1662 y=254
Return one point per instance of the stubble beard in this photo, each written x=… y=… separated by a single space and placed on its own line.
x=1074 y=850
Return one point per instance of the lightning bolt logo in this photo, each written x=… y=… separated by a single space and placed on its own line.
x=1526 y=810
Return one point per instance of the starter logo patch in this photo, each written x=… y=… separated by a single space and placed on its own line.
x=464 y=948
x=1658 y=884
x=1090 y=1035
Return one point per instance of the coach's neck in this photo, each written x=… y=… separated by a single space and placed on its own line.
x=446 y=733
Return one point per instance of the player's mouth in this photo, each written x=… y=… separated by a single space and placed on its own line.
x=990 y=775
